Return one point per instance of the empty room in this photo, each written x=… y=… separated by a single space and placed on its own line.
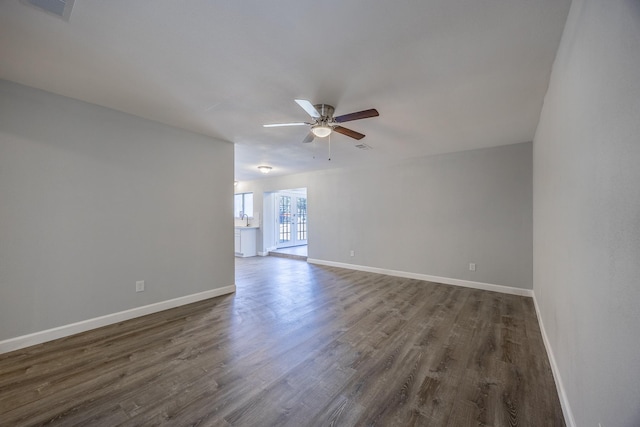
x=249 y=213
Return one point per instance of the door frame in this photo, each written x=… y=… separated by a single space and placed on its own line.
x=294 y=222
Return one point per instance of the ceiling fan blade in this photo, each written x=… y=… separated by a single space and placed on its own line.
x=309 y=138
x=357 y=116
x=308 y=107
x=275 y=125
x=352 y=133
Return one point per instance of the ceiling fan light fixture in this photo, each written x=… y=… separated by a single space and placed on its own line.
x=324 y=123
x=321 y=131
x=265 y=169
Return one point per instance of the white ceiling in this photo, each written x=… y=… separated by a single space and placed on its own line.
x=445 y=75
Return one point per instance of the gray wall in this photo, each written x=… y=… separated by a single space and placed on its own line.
x=431 y=215
x=587 y=212
x=93 y=200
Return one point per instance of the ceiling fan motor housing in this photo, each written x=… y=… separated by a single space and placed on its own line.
x=326 y=111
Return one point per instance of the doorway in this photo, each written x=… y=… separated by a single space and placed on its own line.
x=292 y=219
x=286 y=223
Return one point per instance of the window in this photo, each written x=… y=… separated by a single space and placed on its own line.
x=243 y=205
x=285 y=219
x=302 y=218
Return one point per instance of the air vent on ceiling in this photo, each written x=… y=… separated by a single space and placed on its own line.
x=61 y=8
x=363 y=146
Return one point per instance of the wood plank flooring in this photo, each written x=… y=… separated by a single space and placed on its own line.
x=297 y=345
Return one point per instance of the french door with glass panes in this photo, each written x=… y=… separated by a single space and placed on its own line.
x=292 y=221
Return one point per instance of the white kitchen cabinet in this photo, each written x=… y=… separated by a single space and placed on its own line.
x=245 y=241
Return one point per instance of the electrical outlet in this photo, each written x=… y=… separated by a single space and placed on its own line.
x=140 y=286
x=352 y=253
x=472 y=266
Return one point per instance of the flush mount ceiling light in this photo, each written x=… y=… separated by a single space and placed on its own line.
x=265 y=169
x=321 y=130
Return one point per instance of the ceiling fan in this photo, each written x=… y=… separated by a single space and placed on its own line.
x=324 y=123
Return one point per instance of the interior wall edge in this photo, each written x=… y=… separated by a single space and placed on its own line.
x=40 y=337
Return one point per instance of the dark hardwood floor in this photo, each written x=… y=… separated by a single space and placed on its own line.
x=297 y=345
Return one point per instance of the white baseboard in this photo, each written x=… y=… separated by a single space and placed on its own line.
x=263 y=253
x=17 y=343
x=446 y=280
x=562 y=394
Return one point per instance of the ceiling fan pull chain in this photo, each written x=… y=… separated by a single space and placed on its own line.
x=329 y=147
x=315 y=149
